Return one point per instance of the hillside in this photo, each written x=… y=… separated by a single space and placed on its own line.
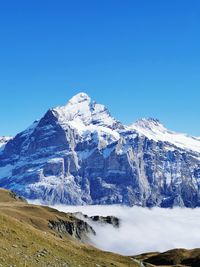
x=175 y=257
x=26 y=238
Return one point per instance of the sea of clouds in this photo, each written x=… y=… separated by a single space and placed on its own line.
x=143 y=230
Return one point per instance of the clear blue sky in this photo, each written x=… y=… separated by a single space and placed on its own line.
x=141 y=58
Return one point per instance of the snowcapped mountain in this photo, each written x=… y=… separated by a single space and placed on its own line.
x=80 y=154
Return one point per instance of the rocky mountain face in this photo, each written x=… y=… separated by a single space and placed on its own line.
x=79 y=154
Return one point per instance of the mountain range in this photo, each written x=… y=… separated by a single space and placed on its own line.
x=79 y=154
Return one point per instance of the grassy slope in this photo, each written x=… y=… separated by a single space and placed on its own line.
x=26 y=240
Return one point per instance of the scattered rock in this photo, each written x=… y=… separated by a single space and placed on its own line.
x=42 y=253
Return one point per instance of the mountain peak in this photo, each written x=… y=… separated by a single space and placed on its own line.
x=149 y=123
x=79 y=98
x=82 y=110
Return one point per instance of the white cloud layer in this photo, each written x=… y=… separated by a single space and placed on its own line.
x=143 y=230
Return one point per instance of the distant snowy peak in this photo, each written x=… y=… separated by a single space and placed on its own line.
x=154 y=130
x=82 y=111
x=149 y=123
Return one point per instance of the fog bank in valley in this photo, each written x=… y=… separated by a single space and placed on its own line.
x=143 y=230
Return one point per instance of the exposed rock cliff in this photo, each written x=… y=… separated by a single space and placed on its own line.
x=76 y=228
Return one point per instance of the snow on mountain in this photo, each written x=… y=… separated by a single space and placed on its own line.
x=4 y=140
x=79 y=154
x=86 y=117
x=82 y=110
x=153 y=129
